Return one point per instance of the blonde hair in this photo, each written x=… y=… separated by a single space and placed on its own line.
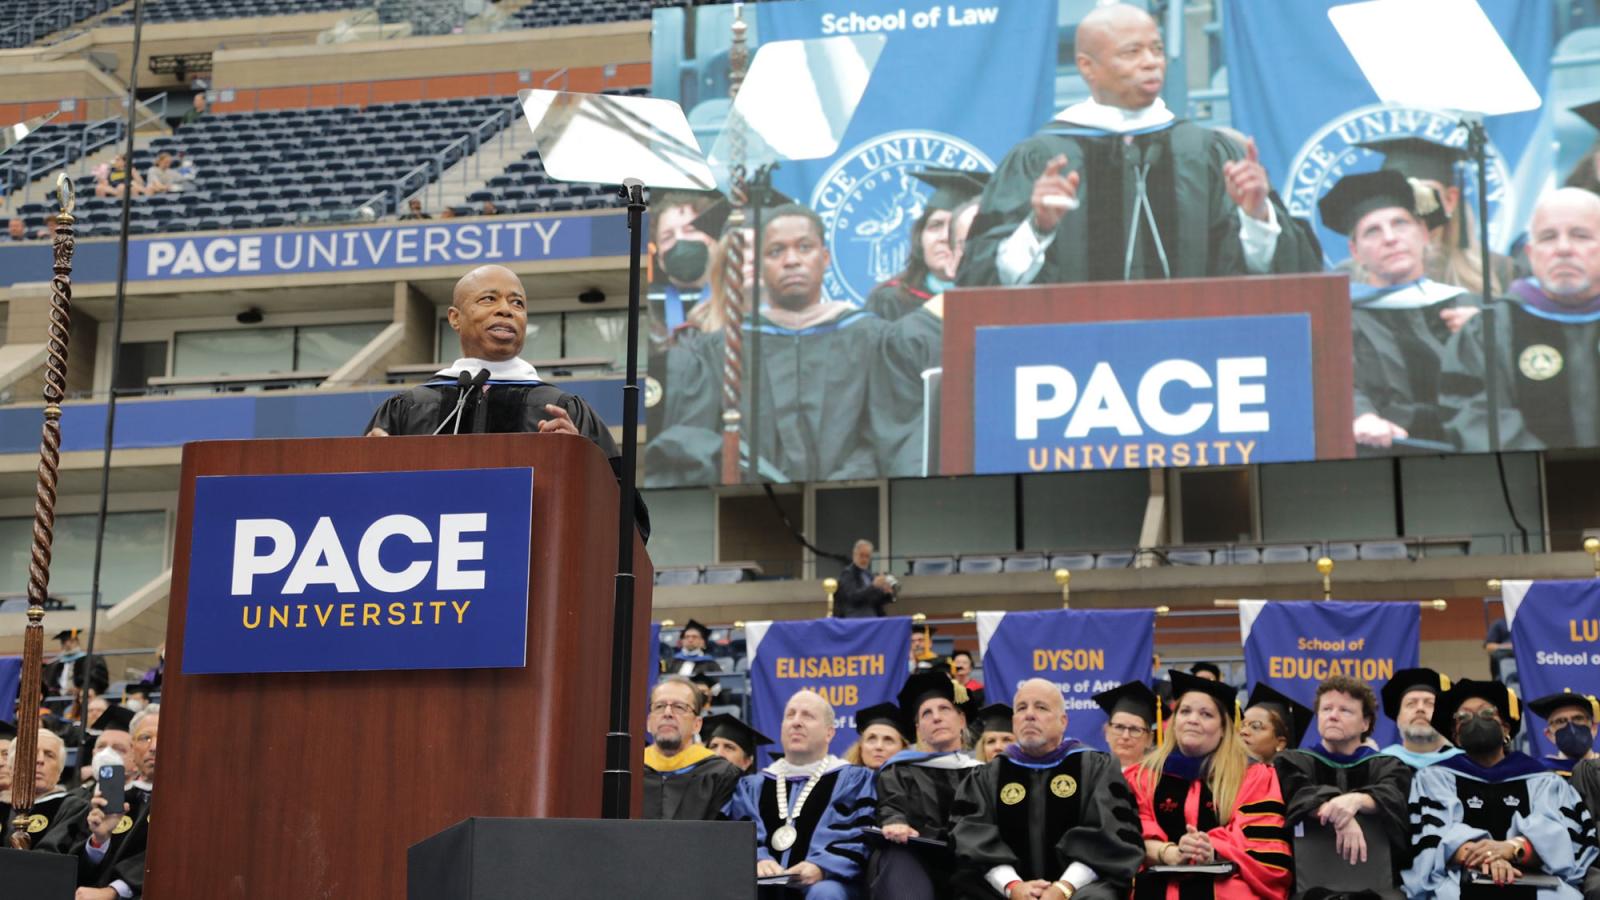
x=1223 y=770
x=853 y=755
x=711 y=313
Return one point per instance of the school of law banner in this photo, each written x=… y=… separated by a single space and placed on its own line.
x=1555 y=633
x=1082 y=651
x=1296 y=89
x=854 y=663
x=1294 y=646
x=956 y=86
x=10 y=681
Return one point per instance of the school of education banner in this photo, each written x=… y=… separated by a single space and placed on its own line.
x=1082 y=651
x=854 y=663
x=1555 y=633
x=957 y=85
x=1296 y=89
x=1294 y=646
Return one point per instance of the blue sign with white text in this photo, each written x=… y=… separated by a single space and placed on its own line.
x=360 y=571
x=1150 y=394
x=1555 y=633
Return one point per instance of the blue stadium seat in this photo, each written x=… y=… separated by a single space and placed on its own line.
x=980 y=565
x=1072 y=561
x=933 y=565
x=1238 y=556
x=1384 y=550
x=1113 y=560
x=1026 y=562
x=1286 y=553
x=1189 y=557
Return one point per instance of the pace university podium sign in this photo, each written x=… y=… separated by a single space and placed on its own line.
x=369 y=570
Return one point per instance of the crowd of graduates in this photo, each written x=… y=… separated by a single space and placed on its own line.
x=1201 y=795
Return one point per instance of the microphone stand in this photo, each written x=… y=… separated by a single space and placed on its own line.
x=616 y=791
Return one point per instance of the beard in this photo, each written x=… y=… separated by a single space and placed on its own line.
x=669 y=746
x=1419 y=733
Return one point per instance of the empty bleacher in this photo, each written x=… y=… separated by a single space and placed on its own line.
x=194 y=10
x=524 y=187
x=54 y=147
x=310 y=166
x=24 y=21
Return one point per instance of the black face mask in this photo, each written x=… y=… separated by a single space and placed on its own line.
x=1481 y=736
x=686 y=261
x=1574 y=741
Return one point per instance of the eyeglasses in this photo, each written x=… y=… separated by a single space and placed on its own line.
x=1255 y=727
x=1580 y=720
x=1129 y=730
x=672 y=706
x=1487 y=712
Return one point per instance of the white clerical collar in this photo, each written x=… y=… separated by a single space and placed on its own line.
x=51 y=796
x=1116 y=118
x=782 y=768
x=517 y=369
x=142 y=785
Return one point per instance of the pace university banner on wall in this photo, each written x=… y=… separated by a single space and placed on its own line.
x=1555 y=633
x=1293 y=646
x=1083 y=651
x=368 y=570
x=852 y=662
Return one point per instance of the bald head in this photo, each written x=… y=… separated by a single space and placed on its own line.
x=489 y=311
x=1564 y=245
x=1121 y=56
x=1039 y=716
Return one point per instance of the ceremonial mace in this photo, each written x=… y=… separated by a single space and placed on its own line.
x=733 y=299
x=25 y=750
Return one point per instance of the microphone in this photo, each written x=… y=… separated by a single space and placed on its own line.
x=463 y=385
x=476 y=387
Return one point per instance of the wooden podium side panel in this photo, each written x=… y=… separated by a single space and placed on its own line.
x=1324 y=298
x=312 y=785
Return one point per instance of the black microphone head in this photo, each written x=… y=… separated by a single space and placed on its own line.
x=463 y=380
x=481 y=379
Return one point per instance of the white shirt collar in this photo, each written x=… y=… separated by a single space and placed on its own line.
x=517 y=369
x=1115 y=118
x=783 y=768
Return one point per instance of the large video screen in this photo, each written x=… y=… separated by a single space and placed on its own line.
x=1036 y=248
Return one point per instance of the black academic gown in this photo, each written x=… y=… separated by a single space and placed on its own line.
x=99 y=676
x=917 y=789
x=696 y=792
x=513 y=407
x=894 y=298
x=124 y=856
x=819 y=389
x=47 y=813
x=1310 y=778
x=1197 y=221
x=1039 y=818
x=1398 y=353
x=1547 y=379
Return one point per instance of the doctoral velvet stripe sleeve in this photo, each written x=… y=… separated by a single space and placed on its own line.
x=837 y=844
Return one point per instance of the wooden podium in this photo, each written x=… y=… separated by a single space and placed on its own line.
x=315 y=784
x=1323 y=298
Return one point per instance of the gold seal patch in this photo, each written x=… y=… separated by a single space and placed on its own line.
x=1012 y=794
x=1063 y=786
x=37 y=824
x=1540 y=362
x=124 y=825
x=652 y=392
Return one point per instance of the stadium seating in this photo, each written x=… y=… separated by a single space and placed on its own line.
x=53 y=147
x=24 y=21
x=285 y=167
x=191 y=10
x=524 y=187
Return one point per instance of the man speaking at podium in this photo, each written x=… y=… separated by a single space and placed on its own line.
x=491 y=389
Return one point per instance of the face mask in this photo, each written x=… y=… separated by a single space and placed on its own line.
x=133 y=704
x=1574 y=741
x=1480 y=735
x=686 y=261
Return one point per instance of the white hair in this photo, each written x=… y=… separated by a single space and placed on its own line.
x=153 y=709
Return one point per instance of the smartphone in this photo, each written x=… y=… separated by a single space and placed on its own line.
x=110 y=779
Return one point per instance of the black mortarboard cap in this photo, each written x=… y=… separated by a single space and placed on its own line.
x=1549 y=703
x=1353 y=196
x=692 y=625
x=715 y=217
x=116 y=718
x=922 y=687
x=884 y=714
x=1589 y=112
x=951 y=187
x=1203 y=666
x=995 y=717
x=1497 y=694
x=1226 y=695
x=731 y=728
x=67 y=634
x=8 y=730
x=1132 y=697
x=1294 y=714
x=1417 y=157
x=1405 y=681
x=145 y=687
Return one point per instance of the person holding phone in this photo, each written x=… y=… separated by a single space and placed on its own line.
x=111 y=852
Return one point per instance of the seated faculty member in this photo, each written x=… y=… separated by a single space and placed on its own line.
x=808 y=807
x=992 y=732
x=1569 y=727
x=489 y=312
x=1409 y=698
x=733 y=740
x=1049 y=818
x=1271 y=723
x=883 y=731
x=682 y=779
x=1132 y=720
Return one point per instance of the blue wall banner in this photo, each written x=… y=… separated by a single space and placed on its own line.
x=853 y=662
x=1555 y=633
x=1083 y=651
x=654 y=672
x=370 y=570
x=957 y=85
x=315 y=251
x=10 y=683
x=1294 y=646
x=1308 y=128
x=1127 y=395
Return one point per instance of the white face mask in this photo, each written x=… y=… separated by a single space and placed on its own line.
x=133 y=704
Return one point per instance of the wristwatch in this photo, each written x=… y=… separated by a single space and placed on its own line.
x=1066 y=890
